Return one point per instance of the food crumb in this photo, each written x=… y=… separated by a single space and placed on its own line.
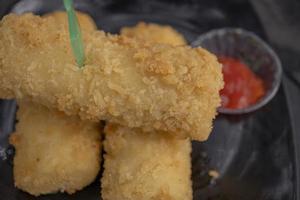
x=213 y=173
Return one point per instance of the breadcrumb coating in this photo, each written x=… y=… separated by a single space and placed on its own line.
x=38 y=125
x=129 y=175
x=154 y=33
x=124 y=81
x=54 y=152
x=61 y=19
x=148 y=166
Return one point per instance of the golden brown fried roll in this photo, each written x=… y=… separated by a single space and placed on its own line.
x=154 y=33
x=43 y=117
x=54 y=152
x=145 y=166
x=155 y=87
x=129 y=175
x=60 y=17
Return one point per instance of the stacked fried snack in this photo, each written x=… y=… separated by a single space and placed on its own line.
x=139 y=165
x=156 y=87
x=55 y=152
x=154 y=92
x=146 y=165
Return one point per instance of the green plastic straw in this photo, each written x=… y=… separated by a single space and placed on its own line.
x=75 y=34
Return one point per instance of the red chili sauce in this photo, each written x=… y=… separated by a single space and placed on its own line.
x=242 y=87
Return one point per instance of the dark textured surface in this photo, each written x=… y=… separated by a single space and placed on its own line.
x=281 y=23
x=254 y=154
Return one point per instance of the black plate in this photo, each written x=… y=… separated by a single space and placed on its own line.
x=254 y=153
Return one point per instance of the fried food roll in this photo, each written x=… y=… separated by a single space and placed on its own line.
x=54 y=152
x=146 y=166
x=154 y=33
x=51 y=125
x=132 y=83
x=60 y=17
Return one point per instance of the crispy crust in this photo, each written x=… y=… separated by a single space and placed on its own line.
x=154 y=33
x=40 y=167
x=148 y=166
x=156 y=87
x=54 y=152
x=85 y=21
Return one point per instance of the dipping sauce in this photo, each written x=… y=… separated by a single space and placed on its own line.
x=242 y=87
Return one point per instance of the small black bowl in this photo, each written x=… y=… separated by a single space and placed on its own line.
x=253 y=51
